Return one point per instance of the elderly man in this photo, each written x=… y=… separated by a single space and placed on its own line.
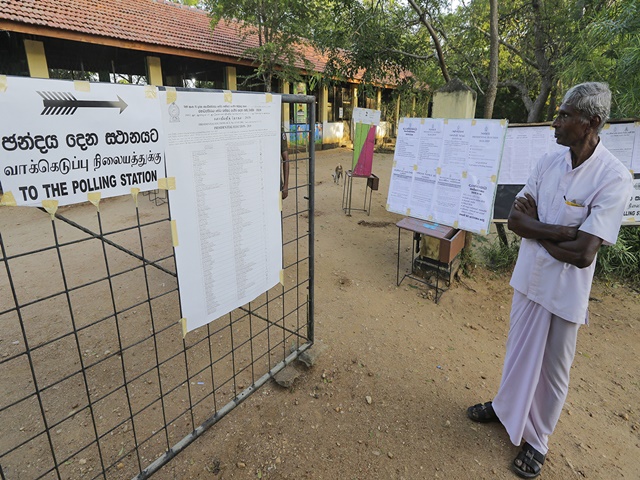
x=572 y=203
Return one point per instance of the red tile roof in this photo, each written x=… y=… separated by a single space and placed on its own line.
x=152 y=22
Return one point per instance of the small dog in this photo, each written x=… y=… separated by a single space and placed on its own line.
x=337 y=174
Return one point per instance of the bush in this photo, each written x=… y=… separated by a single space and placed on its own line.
x=497 y=256
x=621 y=261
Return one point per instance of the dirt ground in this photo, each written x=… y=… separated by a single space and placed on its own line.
x=388 y=395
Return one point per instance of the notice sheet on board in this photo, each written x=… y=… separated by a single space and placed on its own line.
x=525 y=145
x=445 y=171
x=223 y=150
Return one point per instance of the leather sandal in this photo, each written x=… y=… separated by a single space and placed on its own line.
x=529 y=462
x=483 y=413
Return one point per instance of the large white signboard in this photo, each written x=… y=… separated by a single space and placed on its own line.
x=446 y=170
x=223 y=152
x=63 y=141
x=525 y=145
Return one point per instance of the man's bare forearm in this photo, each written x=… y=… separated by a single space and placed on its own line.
x=580 y=252
x=528 y=227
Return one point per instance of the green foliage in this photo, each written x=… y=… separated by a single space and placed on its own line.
x=619 y=262
x=607 y=49
x=281 y=28
x=497 y=256
x=379 y=41
x=622 y=260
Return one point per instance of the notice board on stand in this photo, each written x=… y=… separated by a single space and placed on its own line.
x=525 y=144
x=446 y=171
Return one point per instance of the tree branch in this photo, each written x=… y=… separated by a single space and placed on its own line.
x=412 y=55
x=510 y=47
x=524 y=92
x=434 y=37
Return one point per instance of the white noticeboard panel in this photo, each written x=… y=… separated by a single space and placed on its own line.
x=446 y=170
x=223 y=152
x=525 y=145
x=64 y=142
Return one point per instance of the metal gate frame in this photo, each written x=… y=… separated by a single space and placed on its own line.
x=51 y=380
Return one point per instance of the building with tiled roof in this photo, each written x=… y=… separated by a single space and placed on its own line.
x=153 y=41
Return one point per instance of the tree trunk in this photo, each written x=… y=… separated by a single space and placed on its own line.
x=492 y=88
x=434 y=37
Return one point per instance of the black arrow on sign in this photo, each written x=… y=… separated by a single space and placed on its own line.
x=63 y=103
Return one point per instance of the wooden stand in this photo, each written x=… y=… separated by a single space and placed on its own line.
x=347 y=190
x=444 y=245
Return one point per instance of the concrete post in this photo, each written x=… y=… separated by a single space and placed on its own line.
x=284 y=88
x=454 y=100
x=323 y=101
x=230 y=79
x=36 y=59
x=154 y=71
x=397 y=116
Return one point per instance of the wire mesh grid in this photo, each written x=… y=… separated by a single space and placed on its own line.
x=97 y=380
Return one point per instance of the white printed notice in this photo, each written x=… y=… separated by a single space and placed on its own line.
x=446 y=171
x=619 y=138
x=223 y=150
x=65 y=142
x=525 y=145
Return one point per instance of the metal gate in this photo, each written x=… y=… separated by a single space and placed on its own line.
x=96 y=379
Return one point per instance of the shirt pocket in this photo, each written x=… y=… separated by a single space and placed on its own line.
x=573 y=215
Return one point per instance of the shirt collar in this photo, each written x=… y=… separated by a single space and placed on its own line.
x=596 y=152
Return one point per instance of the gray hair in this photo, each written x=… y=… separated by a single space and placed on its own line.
x=590 y=98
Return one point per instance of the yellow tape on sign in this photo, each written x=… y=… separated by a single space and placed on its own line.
x=174 y=233
x=422 y=120
x=150 y=92
x=415 y=168
x=607 y=126
x=402 y=120
x=439 y=171
x=455 y=224
x=51 y=206
x=228 y=96
x=94 y=197
x=483 y=231
x=81 y=86
x=408 y=214
x=8 y=200
x=473 y=122
x=503 y=122
x=493 y=179
x=183 y=324
x=168 y=183
x=464 y=174
x=268 y=98
x=3 y=83
x=134 y=193
x=172 y=95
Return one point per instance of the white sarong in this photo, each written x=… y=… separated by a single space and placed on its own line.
x=535 y=377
